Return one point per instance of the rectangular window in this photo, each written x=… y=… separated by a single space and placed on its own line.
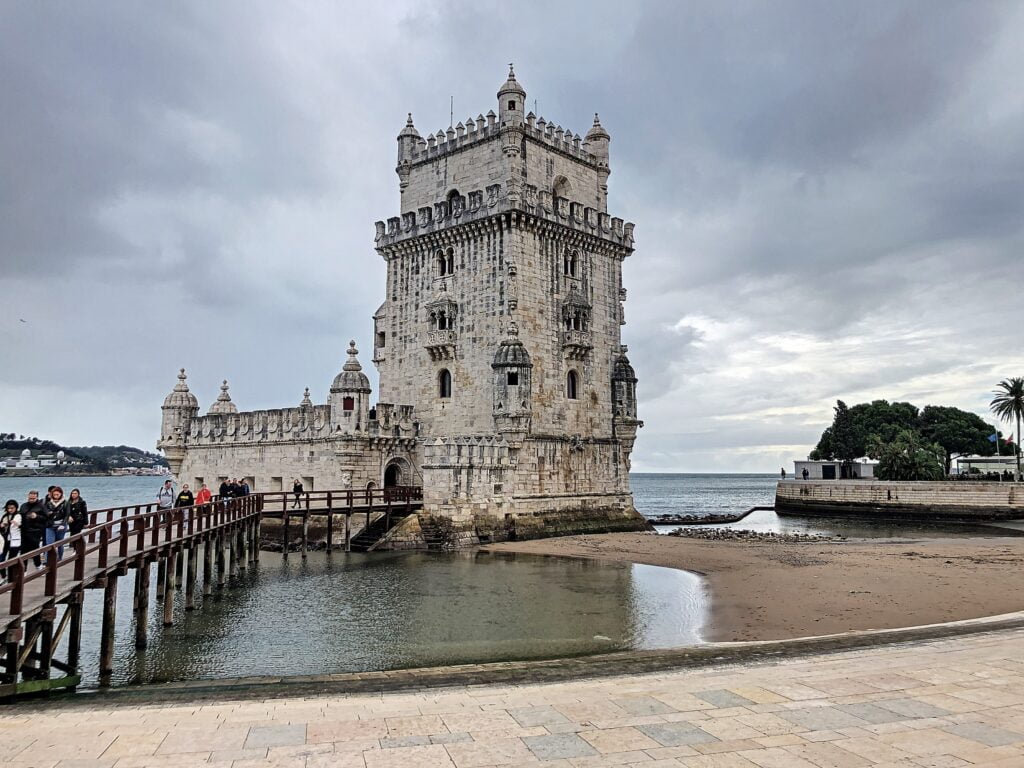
x=513 y=378
x=511 y=105
x=276 y=484
x=381 y=339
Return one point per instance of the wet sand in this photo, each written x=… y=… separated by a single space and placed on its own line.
x=771 y=590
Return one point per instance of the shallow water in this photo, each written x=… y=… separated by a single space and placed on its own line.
x=357 y=612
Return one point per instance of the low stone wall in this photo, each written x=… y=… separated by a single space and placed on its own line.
x=944 y=500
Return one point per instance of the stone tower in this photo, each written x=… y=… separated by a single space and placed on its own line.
x=502 y=315
x=179 y=409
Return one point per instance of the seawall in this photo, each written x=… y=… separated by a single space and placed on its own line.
x=941 y=500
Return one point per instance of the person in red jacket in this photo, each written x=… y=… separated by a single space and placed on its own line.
x=204 y=495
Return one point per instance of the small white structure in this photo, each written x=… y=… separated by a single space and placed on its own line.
x=861 y=469
x=984 y=464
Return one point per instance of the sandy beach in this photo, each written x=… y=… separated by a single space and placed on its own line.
x=770 y=590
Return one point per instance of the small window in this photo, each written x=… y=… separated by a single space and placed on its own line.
x=570 y=263
x=381 y=338
x=442 y=264
x=513 y=378
x=511 y=105
x=348 y=404
x=444 y=383
x=572 y=385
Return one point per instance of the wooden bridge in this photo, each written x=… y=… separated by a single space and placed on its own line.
x=41 y=607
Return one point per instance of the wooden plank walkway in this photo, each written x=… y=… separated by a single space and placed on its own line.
x=118 y=539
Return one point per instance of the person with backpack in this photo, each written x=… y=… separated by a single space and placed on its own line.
x=165 y=498
x=78 y=512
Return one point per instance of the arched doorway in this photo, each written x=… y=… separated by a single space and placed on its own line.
x=392 y=475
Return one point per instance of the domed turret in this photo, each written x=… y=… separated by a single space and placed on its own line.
x=512 y=388
x=596 y=143
x=350 y=396
x=180 y=396
x=511 y=100
x=624 y=389
x=223 y=405
x=351 y=378
x=178 y=410
x=408 y=141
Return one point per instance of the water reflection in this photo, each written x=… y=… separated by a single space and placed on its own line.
x=355 y=612
x=764 y=521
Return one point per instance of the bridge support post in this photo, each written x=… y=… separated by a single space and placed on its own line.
x=107 y=634
x=172 y=558
x=190 y=578
x=179 y=569
x=142 y=614
x=257 y=540
x=221 y=571
x=161 y=578
x=207 y=566
x=287 y=537
x=75 y=604
x=330 y=523
x=46 y=618
x=232 y=537
x=348 y=530
x=243 y=550
x=305 y=534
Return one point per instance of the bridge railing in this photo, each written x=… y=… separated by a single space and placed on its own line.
x=124 y=537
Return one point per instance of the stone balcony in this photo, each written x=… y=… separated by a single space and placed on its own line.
x=576 y=344
x=441 y=344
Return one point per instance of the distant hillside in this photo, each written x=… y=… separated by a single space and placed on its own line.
x=98 y=458
x=117 y=456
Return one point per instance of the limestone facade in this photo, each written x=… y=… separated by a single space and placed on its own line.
x=505 y=388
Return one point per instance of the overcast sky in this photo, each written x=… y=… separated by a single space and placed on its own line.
x=828 y=197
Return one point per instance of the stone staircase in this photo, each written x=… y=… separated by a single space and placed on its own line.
x=370 y=536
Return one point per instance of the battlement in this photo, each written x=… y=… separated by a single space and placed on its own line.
x=485 y=127
x=466 y=451
x=498 y=198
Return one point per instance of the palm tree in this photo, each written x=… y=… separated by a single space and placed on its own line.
x=1008 y=404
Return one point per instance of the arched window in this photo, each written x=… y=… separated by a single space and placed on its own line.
x=450 y=260
x=444 y=383
x=561 y=187
x=572 y=381
x=442 y=263
x=571 y=262
x=348 y=404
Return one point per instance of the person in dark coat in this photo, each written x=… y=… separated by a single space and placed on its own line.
x=225 y=489
x=33 y=525
x=78 y=512
x=297 y=489
x=185 y=497
x=56 y=508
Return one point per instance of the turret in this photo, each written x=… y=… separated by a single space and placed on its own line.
x=512 y=388
x=350 y=397
x=596 y=143
x=408 y=142
x=511 y=101
x=223 y=405
x=624 y=420
x=178 y=410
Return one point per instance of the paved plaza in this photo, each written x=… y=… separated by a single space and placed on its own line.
x=927 y=704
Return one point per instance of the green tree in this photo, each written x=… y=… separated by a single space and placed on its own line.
x=1008 y=405
x=879 y=417
x=908 y=457
x=958 y=432
x=844 y=437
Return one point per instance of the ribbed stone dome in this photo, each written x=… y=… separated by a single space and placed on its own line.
x=180 y=397
x=511 y=85
x=511 y=352
x=223 y=404
x=351 y=378
x=623 y=371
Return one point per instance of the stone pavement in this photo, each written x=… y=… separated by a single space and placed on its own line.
x=926 y=704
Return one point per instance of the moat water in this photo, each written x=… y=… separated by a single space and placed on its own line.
x=356 y=612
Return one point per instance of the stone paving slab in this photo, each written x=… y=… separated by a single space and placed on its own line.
x=941 y=703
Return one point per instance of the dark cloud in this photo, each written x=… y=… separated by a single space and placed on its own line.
x=828 y=199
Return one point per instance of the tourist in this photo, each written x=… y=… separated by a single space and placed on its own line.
x=33 y=525
x=782 y=473
x=10 y=528
x=203 y=496
x=236 y=488
x=805 y=473
x=165 y=498
x=243 y=488
x=225 y=489
x=56 y=511
x=78 y=512
x=298 y=490
x=184 y=497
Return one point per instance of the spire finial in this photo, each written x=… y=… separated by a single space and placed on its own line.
x=408 y=120
x=306 y=402
x=352 y=351
x=181 y=386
